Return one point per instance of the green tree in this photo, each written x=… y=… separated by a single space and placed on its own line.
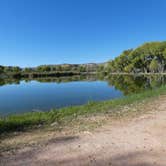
x=154 y=66
x=16 y=69
x=140 y=59
x=43 y=68
x=1 y=69
x=27 y=69
x=82 y=69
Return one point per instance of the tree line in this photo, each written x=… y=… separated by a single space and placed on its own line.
x=52 y=70
x=148 y=58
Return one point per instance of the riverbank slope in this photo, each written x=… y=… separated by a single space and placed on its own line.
x=136 y=139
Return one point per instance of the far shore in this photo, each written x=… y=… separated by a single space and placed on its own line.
x=31 y=75
x=137 y=73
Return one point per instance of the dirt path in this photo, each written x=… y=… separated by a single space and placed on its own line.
x=139 y=142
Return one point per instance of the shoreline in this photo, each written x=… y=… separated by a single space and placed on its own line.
x=134 y=137
x=62 y=116
x=23 y=75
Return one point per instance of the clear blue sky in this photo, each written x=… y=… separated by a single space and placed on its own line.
x=34 y=32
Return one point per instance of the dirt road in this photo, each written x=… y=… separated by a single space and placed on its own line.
x=138 y=142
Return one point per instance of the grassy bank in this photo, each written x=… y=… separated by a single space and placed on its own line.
x=59 y=116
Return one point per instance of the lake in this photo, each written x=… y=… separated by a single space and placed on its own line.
x=43 y=94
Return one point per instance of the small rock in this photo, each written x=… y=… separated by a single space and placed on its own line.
x=54 y=124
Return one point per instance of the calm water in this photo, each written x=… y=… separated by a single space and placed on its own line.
x=34 y=96
x=18 y=96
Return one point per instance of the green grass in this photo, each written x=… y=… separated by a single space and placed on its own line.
x=34 y=119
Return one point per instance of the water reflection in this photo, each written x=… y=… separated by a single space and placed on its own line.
x=125 y=83
x=24 y=95
x=136 y=83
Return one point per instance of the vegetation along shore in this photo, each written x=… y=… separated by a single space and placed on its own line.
x=137 y=73
x=65 y=115
x=148 y=58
